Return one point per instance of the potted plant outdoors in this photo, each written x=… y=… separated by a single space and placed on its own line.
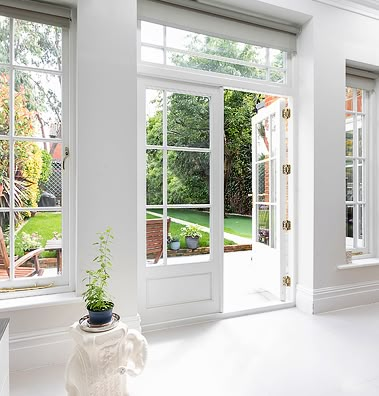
x=192 y=235
x=174 y=242
x=96 y=296
x=31 y=241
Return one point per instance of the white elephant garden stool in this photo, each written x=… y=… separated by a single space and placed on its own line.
x=101 y=361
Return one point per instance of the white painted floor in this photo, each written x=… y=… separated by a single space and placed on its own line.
x=272 y=354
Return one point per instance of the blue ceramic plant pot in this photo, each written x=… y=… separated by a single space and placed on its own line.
x=192 y=243
x=100 y=317
x=175 y=245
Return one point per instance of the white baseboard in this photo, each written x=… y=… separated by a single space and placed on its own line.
x=327 y=299
x=49 y=347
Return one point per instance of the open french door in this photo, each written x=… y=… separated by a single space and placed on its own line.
x=269 y=198
x=181 y=174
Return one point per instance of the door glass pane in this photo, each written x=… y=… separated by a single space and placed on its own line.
x=349 y=170
x=360 y=101
x=191 y=228
x=187 y=177
x=154 y=236
x=273 y=139
x=4 y=245
x=187 y=120
x=154 y=177
x=263 y=222
x=4 y=99
x=349 y=99
x=154 y=117
x=38 y=104
x=349 y=128
x=263 y=139
x=263 y=180
x=273 y=241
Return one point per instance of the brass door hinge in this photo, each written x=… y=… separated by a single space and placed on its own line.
x=286 y=113
x=286 y=169
x=286 y=225
x=287 y=281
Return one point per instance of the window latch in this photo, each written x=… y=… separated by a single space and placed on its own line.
x=66 y=154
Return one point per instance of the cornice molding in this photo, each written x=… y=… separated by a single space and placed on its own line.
x=369 y=8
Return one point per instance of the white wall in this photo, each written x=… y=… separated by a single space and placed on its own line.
x=106 y=177
x=106 y=131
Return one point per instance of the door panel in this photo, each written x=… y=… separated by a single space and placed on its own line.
x=181 y=152
x=268 y=185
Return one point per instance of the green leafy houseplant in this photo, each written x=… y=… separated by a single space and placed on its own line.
x=96 y=295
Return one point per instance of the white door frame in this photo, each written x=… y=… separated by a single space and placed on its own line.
x=151 y=278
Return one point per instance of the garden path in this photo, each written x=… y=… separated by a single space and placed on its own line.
x=235 y=238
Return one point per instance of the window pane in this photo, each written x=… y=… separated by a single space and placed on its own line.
x=360 y=127
x=277 y=58
x=40 y=237
x=4 y=245
x=263 y=222
x=38 y=104
x=4 y=39
x=154 y=117
x=154 y=177
x=349 y=128
x=4 y=101
x=151 y=33
x=217 y=66
x=38 y=174
x=188 y=178
x=187 y=120
x=4 y=174
x=349 y=99
x=361 y=226
x=154 y=55
x=349 y=222
x=277 y=76
x=361 y=173
x=349 y=169
x=359 y=103
x=200 y=43
x=273 y=227
x=38 y=45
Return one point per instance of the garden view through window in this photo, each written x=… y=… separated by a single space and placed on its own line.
x=356 y=168
x=31 y=149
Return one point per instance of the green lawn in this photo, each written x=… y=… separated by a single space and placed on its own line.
x=176 y=227
x=236 y=225
x=45 y=223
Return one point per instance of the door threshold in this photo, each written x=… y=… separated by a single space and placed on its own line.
x=214 y=317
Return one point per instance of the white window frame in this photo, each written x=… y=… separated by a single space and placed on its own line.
x=65 y=282
x=368 y=159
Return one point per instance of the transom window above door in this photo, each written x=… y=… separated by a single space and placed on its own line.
x=179 y=48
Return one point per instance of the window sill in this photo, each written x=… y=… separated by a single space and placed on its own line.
x=360 y=263
x=17 y=304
